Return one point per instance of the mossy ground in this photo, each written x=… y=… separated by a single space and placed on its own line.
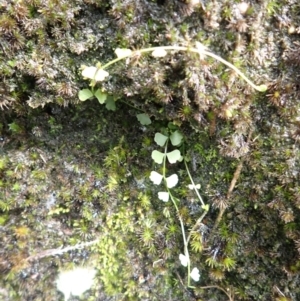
x=71 y=173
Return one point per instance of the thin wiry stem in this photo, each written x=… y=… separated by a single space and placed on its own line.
x=59 y=251
x=185 y=243
x=193 y=183
x=198 y=222
x=201 y=52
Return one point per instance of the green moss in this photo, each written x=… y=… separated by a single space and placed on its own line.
x=78 y=167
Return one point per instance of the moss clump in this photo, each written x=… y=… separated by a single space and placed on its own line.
x=78 y=173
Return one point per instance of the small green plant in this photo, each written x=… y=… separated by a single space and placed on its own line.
x=170 y=182
x=99 y=73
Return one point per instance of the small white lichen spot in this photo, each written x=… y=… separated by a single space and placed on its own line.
x=183 y=260
x=94 y=73
x=172 y=181
x=159 y=52
x=195 y=275
x=243 y=7
x=164 y=196
x=75 y=282
x=155 y=177
x=89 y=72
x=123 y=52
